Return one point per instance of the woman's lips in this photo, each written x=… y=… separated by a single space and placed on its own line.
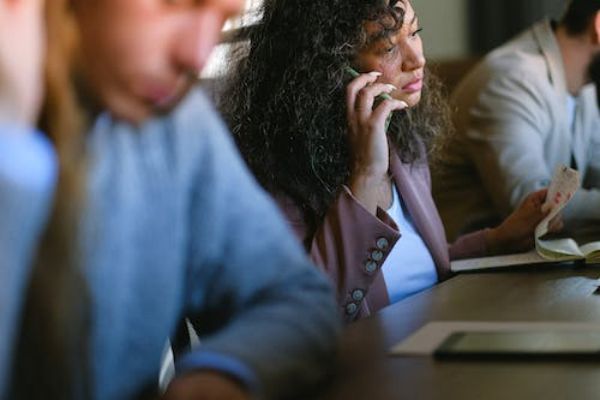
x=414 y=86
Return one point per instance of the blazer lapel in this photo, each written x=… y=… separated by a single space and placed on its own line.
x=546 y=40
x=413 y=185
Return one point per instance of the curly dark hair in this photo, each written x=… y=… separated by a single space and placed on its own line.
x=283 y=98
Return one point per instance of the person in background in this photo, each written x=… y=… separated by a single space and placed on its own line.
x=154 y=218
x=528 y=107
x=315 y=136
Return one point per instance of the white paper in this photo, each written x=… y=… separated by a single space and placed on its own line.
x=562 y=189
x=471 y=264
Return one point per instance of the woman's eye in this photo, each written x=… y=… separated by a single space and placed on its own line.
x=416 y=33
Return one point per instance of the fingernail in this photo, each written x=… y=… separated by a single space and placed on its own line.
x=375 y=73
x=404 y=104
x=391 y=87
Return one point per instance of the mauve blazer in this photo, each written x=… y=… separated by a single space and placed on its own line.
x=351 y=244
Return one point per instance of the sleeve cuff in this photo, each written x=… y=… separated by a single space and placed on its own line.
x=230 y=366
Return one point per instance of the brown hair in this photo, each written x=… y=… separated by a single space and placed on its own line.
x=50 y=360
x=579 y=14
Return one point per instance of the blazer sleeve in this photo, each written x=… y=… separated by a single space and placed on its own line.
x=350 y=245
x=472 y=245
x=27 y=177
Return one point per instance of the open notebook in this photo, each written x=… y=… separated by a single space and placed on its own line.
x=564 y=185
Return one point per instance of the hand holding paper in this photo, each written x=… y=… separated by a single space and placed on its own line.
x=516 y=232
x=564 y=185
x=561 y=190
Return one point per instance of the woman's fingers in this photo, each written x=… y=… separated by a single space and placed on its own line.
x=383 y=110
x=355 y=86
x=366 y=99
x=537 y=198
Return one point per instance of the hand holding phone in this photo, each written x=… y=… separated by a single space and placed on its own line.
x=383 y=96
x=368 y=106
x=355 y=74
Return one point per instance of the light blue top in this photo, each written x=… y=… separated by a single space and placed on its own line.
x=571 y=115
x=27 y=176
x=176 y=225
x=409 y=268
x=571 y=110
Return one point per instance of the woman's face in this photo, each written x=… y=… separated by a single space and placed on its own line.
x=397 y=55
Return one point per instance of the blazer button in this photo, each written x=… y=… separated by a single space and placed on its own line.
x=382 y=243
x=351 y=308
x=377 y=255
x=371 y=267
x=358 y=295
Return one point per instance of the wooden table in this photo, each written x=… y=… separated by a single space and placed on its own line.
x=536 y=293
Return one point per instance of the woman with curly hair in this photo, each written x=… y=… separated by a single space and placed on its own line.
x=314 y=133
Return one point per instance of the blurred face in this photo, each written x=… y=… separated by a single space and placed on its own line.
x=140 y=57
x=397 y=55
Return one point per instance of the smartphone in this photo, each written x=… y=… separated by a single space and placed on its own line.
x=384 y=96
x=521 y=345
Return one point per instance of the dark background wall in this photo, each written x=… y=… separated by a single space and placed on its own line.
x=492 y=22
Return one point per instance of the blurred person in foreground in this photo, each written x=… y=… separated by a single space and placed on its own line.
x=139 y=212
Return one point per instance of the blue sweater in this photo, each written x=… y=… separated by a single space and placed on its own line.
x=175 y=225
